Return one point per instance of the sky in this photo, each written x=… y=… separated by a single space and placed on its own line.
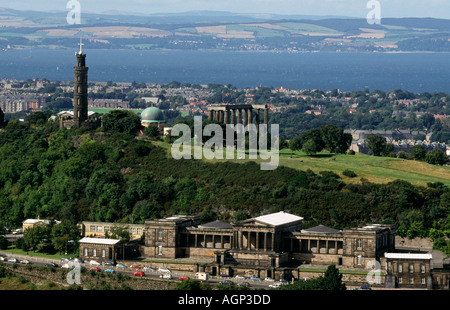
x=352 y=8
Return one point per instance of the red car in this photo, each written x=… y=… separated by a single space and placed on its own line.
x=134 y=267
x=95 y=269
x=183 y=278
x=139 y=273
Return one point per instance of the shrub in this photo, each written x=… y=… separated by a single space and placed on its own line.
x=349 y=173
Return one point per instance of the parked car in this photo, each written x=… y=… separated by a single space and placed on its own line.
x=121 y=266
x=239 y=277
x=163 y=269
x=183 y=278
x=255 y=278
x=268 y=279
x=13 y=260
x=147 y=268
x=109 y=264
x=94 y=263
x=224 y=275
x=275 y=285
x=246 y=284
x=283 y=281
x=139 y=273
x=95 y=269
x=226 y=282
x=166 y=276
x=51 y=265
x=109 y=270
x=78 y=260
x=364 y=288
x=25 y=261
x=134 y=267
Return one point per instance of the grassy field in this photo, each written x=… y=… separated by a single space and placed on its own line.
x=371 y=168
x=374 y=169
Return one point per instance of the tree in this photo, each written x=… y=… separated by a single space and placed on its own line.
x=418 y=152
x=122 y=121
x=315 y=136
x=310 y=147
x=335 y=139
x=376 y=144
x=333 y=279
x=436 y=157
x=295 y=144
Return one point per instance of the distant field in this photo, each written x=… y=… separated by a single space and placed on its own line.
x=374 y=169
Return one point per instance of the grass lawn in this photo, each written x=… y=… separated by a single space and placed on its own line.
x=374 y=169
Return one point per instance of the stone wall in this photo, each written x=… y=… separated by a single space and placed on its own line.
x=416 y=243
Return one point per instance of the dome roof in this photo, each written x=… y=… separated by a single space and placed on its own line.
x=152 y=114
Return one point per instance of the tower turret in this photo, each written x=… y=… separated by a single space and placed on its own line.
x=80 y=96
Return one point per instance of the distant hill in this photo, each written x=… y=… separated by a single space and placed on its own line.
x=215 y=30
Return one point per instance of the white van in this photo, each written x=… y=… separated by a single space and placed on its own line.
x=202 y=275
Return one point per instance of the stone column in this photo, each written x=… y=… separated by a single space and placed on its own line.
x=210 y=116
x=239 y=118
x=249 y=115
x=221 y=116
x=266 y=116
x=225 y=119
x=257 y=119
x=244 y=117
x=233 y=116
x=265 y=241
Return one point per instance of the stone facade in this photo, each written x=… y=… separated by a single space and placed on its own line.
x=269 y=246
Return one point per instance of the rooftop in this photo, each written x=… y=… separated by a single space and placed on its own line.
x=279 y=218
x=99 y=241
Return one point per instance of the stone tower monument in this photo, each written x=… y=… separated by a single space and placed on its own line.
x=80 y=96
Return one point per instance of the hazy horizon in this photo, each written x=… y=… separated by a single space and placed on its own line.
x=347 y=8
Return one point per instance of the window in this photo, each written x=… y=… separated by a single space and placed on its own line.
x=160 y=250
x=133 y=231
x=106 y=229
x=139 y=231
x=92 y=228
x=103 y=253
x=411 y=268
x=85 y=252
x=399 y=267
x=422 y=280
x=400 y=280
x=160 y=235
x=411 y=280
x=422 y=268
x=99 y=228
x=94 y=252
x=359 y=244
x=359 y=260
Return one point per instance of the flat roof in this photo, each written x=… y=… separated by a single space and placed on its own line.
x=99 y=241
x=409 y=255
x=279 y=218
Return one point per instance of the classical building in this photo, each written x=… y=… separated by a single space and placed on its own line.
x=409 y=270
x=270 y=243
x=101 y=250
x=238 y=113
x=100 y=229
x=153 y=116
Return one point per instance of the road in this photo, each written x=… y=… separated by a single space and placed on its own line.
x=154 y=274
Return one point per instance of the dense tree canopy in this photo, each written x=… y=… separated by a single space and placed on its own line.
x=107 y=175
